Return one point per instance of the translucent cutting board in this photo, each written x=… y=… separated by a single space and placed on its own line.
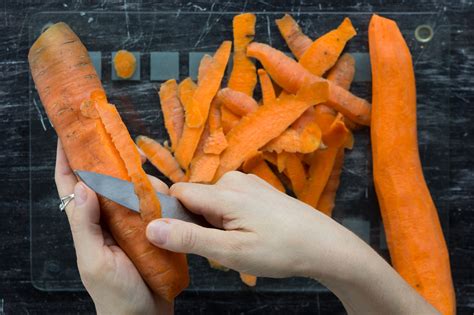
x=171 y=44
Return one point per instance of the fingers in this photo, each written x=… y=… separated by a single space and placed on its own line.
x=84 y=221
x=184 y=237
x=64 y=176
x=158 y=185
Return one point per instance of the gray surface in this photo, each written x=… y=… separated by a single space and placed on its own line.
x=164 y=66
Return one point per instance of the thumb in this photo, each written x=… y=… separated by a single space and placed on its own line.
x=84 y=221
x=184 y=237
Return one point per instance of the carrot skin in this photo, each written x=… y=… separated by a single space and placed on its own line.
x=413 y=231
x=237 y=102
x=173 y=112
x=291 y=32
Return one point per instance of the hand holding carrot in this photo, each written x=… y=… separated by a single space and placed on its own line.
x=108 y=274
x=263 y=232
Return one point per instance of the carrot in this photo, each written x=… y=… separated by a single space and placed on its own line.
x=259 y=127
x=207 y=89
x=249 y=280
x=204 y=65
x=326 y=201
x=172 y=109
x=124 y=64
x=161 y=158
x=203 y=168
x=229 y=119
x=291 y=75
x=252 y=162
x=305 y=141
x=323 y=162
x=262 y=170
x=215 y=143
x=295 y=171
x=342 y=73
x=414 y=235
x=282 y=157
x=65 y=77
x=270 y=157
x=237 y=102
x=324 y=51
x=243 y=77
x=268 y=92
x=291 y=32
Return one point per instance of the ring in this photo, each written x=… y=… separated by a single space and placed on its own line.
x=65 y=201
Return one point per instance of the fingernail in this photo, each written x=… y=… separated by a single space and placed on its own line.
x=158 y=231
x=80 y=194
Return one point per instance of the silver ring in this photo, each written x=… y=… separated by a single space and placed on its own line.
x=65 y=201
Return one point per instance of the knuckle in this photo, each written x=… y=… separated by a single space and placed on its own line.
x=188 y=239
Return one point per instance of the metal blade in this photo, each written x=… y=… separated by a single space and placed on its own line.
x=123 y=193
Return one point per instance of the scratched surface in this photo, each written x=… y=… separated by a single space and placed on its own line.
x=444 y=73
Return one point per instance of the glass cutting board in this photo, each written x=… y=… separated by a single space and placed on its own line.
x=170 y=45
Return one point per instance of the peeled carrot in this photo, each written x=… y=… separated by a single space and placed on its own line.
x=65 y=77
x=173 y=112
x=207 y=89
x=161 y=158
x=414 y=235
x=259 y=127
x=295 y=171
x=262 y=170
x=291 y=32
x=324 y=51
x=292 y=76
x=268 y=91
x=243 y=77
x=237 y=102
x=124 y=64
x=326 y=202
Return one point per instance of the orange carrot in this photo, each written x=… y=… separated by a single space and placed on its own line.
x=291 y=32
x=262 y=170
x=259 y=127
x=414 y=235
x=204 y=65
x=172 y=109
x=294 y=141
x=270 y=157
x=229 y=119
x=207 y=89
x=295 y=171
x=161 y=158
x=124 y=64
x=292 y=76
x=237 y=102
x=268 y=92
x=326 y=201
x=215 y=143
x=249 y=280
x=252 y=162
x=282 y=157
x=243 y=76
x=324 y=51
x=343 y=71
x=65 y=77
x=203 y=168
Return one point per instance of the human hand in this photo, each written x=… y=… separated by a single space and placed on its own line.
x=107 y=273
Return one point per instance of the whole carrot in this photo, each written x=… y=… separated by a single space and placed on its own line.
x=414 y=236
x=65 y=77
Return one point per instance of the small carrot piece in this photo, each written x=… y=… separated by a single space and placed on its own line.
x=268 y=91
x=243 y=77
x=237 y=102
x=229 y=120
x=207 y=89
x=326 y=202
x=204 y=65
x=173 y=112
x=291 y=32
x=324 y=51
x=249 y=280
x=64 y=77
x=161 y=158
x=124 y=64
x=292 y=76
x=295 y=171
x=263 y=171
x=258 y=128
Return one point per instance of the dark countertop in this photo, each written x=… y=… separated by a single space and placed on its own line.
x=17 y=294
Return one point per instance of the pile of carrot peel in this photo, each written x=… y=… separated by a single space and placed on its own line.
x=293 y=137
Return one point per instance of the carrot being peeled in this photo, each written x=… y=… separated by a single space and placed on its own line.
x=291 y=32
x=324 y=51
x=258 y=128
x=291 y=75
x=414 y=236
x=65 y=77
x=243 y=76
x=173 y=112
x=161 y=158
